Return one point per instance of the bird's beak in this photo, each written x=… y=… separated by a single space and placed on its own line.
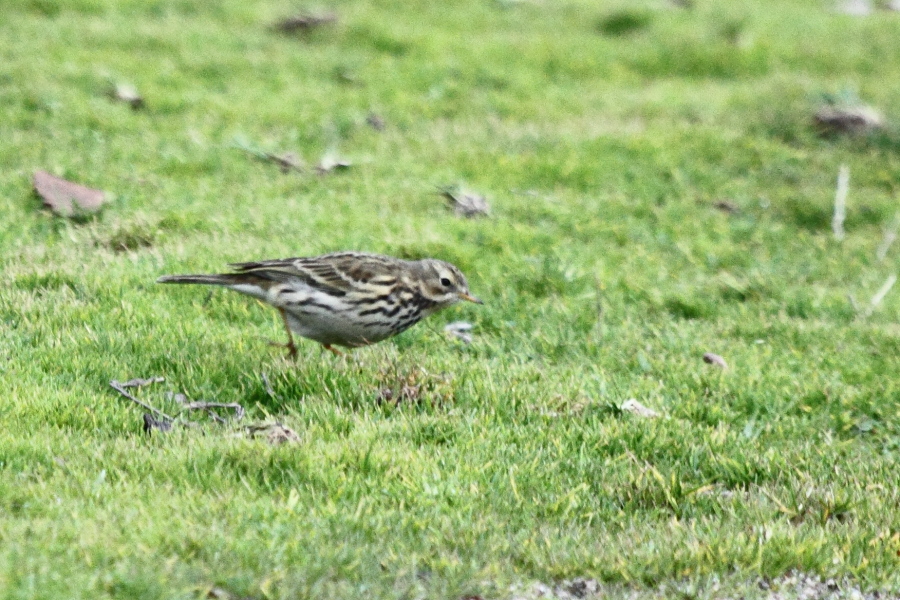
x=471 y=298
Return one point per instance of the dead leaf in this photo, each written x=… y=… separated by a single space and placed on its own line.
x=848 y=119
x=218 y=593
x=727 y=206
x=332 y=162
x=377 y=123
x=179 y=398
x=406 y=393
x=856 y=8
x=346 y=75
x=460 y=330
x=275 y=433
x=465 y=203
x=635 y=407
x=414 y=386
x=287 y=161
x=715 y=359
x=123 y=92
x=137 y=382
x=151 y=424
x=65 y=198
x=580 y=587
x=304 y=22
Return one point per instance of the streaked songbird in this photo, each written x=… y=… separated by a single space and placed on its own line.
x=346 y=299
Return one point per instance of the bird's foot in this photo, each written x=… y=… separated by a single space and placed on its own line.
x=290 y=346
x=334 y=350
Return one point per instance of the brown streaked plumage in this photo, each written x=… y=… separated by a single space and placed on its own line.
x=345 y=298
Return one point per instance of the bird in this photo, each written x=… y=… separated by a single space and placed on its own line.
x=348 y=299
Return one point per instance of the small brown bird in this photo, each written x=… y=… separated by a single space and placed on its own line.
x=346 y=298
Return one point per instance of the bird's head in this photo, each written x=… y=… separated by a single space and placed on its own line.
x=443 y=284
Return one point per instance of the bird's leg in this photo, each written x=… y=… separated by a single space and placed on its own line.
x=334 y=350
x=291 y=347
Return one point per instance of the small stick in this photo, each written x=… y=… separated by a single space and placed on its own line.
x=237 y=408
x=840 y=202
x=138 y=382
x=890 y=236
x=880 y=294
x=268 y=386
x=119 y=388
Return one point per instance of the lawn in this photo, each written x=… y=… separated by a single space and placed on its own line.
x=658 y=191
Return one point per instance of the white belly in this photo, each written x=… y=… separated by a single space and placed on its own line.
x=331 y=320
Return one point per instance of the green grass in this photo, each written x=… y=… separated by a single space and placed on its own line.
x=603 y=135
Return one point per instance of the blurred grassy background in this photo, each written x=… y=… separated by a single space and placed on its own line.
x=604 y=135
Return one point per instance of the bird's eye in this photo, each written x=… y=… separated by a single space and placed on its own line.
x=446 y=282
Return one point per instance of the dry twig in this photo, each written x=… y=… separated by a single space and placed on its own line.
x=880 y=294
x=208 y=406
x=840 y=202
x=119 y=387
x=138 y=382
x=890 y=235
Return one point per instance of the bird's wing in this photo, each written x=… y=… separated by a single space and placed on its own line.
x=339 y=273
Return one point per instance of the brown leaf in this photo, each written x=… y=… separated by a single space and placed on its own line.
x=304 y=22
x=848 y=119
x=727 y=206
x=635 y=407
x=856 y=8
x=414 y=386
x=460 y=330
x=715 y=359
x=274 y=433
x=580 y=587
x=217 y=593
x=151 y=424
x=123 y=92
x=375 y=121
x=288 y=161
x=65 y=198
x=465 y=203
x=332 y=162
x=176 y=397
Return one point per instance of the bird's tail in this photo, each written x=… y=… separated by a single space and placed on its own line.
x=239 y=282
x=226 y=280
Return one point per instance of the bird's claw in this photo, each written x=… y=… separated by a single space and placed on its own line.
x=291 y=348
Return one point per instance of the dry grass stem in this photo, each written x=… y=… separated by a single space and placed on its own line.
x=840 y=202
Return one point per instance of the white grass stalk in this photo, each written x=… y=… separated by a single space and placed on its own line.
x=881 y=293
x=890 y=236
x=840 y=202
